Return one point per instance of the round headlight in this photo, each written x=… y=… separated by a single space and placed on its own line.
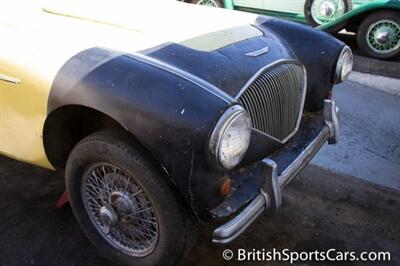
x=230 y=138
x=344 y=65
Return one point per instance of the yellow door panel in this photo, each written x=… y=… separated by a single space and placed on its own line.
x=34 y=60
x=22 y=114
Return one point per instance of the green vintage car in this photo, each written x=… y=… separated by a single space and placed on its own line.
x=375 y=22
x=314 y=12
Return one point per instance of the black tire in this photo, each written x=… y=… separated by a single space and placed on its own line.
x=219 y=3
x=362 y=33
x=175 y=224
x=348 y=6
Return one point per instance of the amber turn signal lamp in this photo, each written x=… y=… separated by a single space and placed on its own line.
x=329 y=95
x=225 y=188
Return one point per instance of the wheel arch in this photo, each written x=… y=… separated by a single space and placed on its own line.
x=356 y=20
x=68 y=124
x=354 y=17
x=60 y=137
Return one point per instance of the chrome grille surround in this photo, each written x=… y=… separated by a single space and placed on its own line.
x=274 y=98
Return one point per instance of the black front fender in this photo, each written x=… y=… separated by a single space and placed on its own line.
x=170 y=115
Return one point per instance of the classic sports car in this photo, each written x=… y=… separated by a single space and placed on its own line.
x=158 y=123
x=376 y=22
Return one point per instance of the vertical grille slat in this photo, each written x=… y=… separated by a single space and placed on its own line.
x=274 y=99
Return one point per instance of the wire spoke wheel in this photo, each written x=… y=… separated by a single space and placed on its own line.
x=383 y=36
x=212 y=3
x=120 y=209
x=126 y=208
x=325 y=11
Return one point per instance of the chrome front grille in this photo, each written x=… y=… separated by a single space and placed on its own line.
x=274 y=99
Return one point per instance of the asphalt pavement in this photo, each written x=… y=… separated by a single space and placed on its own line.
x=369 y=146
x=321 y=210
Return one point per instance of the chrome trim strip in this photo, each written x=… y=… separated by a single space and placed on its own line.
x=232 y=229
x=258 y=73
x=9 y=79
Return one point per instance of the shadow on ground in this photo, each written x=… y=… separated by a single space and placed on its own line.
x=321 y=210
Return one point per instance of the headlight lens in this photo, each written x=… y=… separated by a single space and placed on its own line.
x=344 y=65
x=231 y=138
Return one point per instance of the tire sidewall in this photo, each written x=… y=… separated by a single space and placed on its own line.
x=170 y=220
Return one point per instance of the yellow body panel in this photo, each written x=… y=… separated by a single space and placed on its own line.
x=23 y=105
x=38 y=38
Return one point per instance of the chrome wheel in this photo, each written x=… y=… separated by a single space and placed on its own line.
x=120 y=209
x=325 y=11
x=207 y=3
x=383 y=36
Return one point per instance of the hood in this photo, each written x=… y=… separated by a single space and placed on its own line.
x=230 y=67
x=210 y=43
x=198 y=27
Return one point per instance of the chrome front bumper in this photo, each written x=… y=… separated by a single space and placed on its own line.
x=269 y=198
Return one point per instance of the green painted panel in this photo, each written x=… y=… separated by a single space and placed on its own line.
x=290 y=16
x=228 y=4
x=366 y=7
x=288 y=10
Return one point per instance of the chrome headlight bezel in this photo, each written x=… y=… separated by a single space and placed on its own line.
x=221 y=129
x=344 y=65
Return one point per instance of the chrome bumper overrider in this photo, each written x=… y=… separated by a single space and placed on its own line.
x=269 y=198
